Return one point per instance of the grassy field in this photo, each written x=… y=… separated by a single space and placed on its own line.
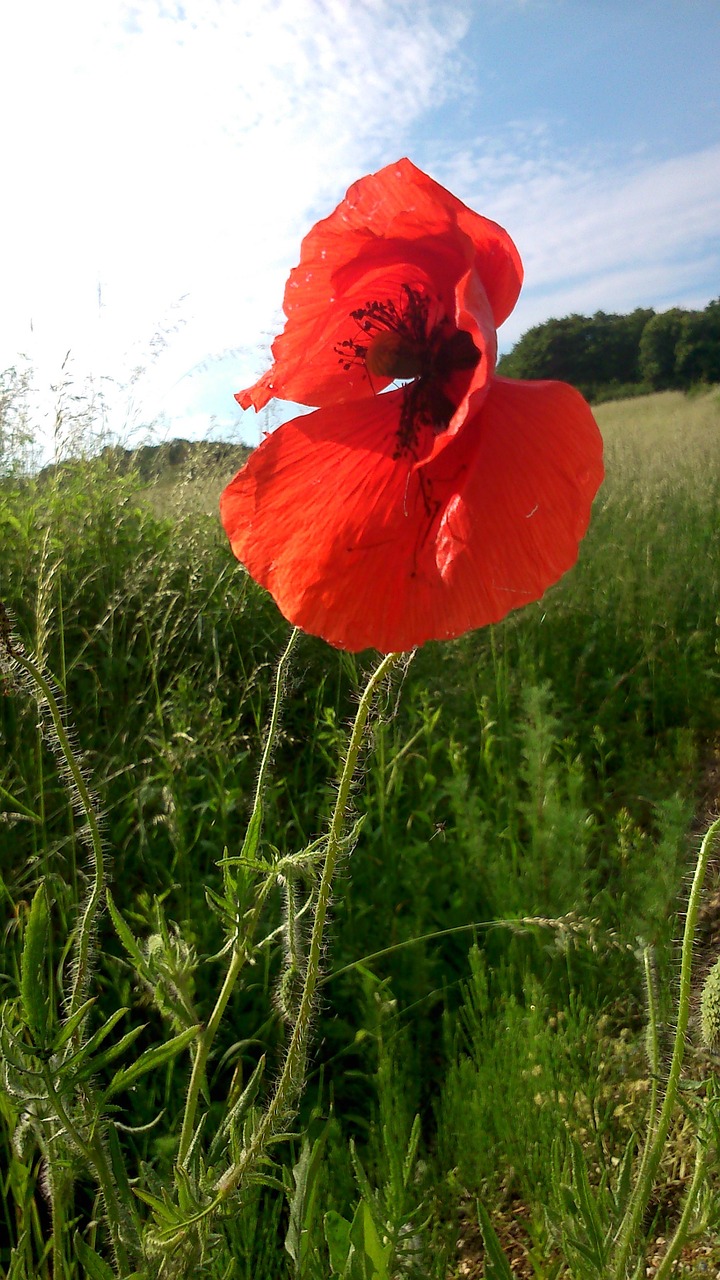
x=531 y=797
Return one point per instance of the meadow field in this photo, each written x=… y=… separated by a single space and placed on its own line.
x=504 y=929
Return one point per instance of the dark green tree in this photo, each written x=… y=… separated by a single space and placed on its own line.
x=658 y=344
x=605 y=354
x=589 y=351
x=555 y=349
x=617 y=339
x=697 y=354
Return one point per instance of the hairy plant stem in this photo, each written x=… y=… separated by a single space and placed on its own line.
x=204 y=1042
x=242 y=944
x=56 y=1215
x=653 y=1045
x=94 y=1153
x=92 y=1150
x=645 y=1182
x=673 y=1250
x=92 y=905
x=274 y=717
x=293 y=1067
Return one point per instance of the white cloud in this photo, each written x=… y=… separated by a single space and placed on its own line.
x=168 y=149
x=166 y=157
x=595 y=233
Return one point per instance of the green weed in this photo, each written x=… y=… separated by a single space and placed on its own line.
x=545 y=768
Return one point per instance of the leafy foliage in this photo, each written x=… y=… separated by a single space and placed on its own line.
x=542 y=772
x=611 y=356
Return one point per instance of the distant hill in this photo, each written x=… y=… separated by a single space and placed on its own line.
x=170 y=461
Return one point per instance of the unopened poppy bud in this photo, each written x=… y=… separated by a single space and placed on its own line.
x=710 y=1008
x=289 y=993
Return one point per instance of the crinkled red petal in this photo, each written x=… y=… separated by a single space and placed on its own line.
x=394 y=227
x=473 y=316
x=367 y=550
x=309 y=367
x=402 y=197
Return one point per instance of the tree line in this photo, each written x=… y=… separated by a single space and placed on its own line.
x=607 y=356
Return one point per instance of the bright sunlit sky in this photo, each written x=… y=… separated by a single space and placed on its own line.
x=162 y=161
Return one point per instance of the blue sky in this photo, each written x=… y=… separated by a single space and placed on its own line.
x=162 y=161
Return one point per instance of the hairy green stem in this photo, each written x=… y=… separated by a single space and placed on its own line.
x=242 y=946
x=87 y=919
x=94 y=1154
x=651 y=1158
x=293 y=1067
x=654 y=1056
x=673 y=1250
x=204 y=1042
x=274 y=718
x=92 y=1150
x=57 y=1218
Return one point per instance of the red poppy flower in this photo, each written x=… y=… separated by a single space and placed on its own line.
x=385 y=520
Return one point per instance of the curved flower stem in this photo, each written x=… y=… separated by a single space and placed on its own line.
x=92 y=1150
x=59 y=1231
x=652 y=1034
x=94 y=1154
x=673 y=1250
x=274 y=718
x=294 y=1061
x=204 y=1042
x=656 y=1143
x=654 y=1055
x=81 y=791
x=241 y=946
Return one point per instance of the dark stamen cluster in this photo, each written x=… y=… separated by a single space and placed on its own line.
x=425 y=403
x=410 y=322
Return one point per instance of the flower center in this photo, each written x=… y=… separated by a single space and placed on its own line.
x=390 y=355
x=393 y=341
x=398 y=342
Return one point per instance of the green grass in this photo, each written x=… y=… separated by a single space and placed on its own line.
x=546 y=766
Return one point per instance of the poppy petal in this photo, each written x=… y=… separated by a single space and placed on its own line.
x=402 y=197
x=394 y=228
x=367 y=550
x=315 y=510
x=473 y=316
x=309 y=365
x=513 y=527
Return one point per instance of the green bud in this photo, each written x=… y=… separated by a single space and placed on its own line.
x=710 y=1008
x=289 y=992
x=33 y=973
